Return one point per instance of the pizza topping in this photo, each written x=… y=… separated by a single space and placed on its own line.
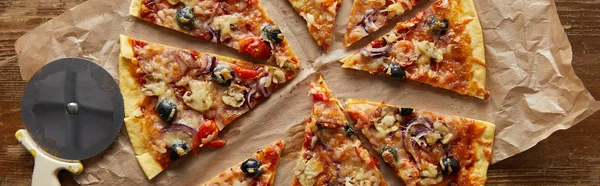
x=387 y=124
x=200 y=95
x=176 y=138
x=255 y=47
x=397 y=8
x=278 y=76
x=251 y=167
x=154 y=89
x=438 y=27
x=185 y=18
x=368 y=21
x=406 y=111
x=449 y=165
x=441 y=129
x=429 y=174
x=396 y=70
x=177 y=150
x=376 y=52
x=223 y=24
x=234 y=96
x=272 y=34
x=207 y=132
x=245 y=72
x=429 y=51
x=209 y=63
x=417 y=128
x=389 y=155
x=307 y=172
x=349 y=130
x=222 y=75
x=166 y=110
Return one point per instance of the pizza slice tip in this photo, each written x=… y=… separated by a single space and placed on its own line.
x=319 y=17
x=260 y=169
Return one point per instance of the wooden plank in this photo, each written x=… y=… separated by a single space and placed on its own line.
x=567 y=157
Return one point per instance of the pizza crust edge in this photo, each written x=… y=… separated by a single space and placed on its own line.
x=134 y=8
x=484 y=143
x=132 y=97
x=475 y=31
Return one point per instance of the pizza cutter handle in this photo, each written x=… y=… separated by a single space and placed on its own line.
x=46 y=168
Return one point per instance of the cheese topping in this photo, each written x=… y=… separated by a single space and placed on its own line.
x=223 y=23
x=306 y=172
x=430 y=174
x=200 y=97
x=234 y=96
x=387 y=125
x=429 y=50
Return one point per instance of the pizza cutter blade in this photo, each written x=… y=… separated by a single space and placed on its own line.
x=72 y=110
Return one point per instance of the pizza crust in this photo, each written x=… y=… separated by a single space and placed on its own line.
x=133 y=97
x=482 y=147
x=149 y=165
x=475 y=31
x=134 y=8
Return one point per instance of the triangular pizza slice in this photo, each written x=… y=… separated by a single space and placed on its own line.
x=368 y=16
x=320 y=18
x=239 y=24
x=441 y=46
x=178 y=100
x=331 y=153
x=426 y=148
x=257 y=170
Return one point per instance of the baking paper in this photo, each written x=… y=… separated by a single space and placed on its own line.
x=533 y=88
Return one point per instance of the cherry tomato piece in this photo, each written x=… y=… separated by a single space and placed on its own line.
x=245 y=72
x=256 y=47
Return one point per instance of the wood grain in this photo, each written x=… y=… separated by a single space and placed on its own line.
x=568 y=157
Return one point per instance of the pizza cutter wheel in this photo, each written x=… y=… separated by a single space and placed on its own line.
x=72 y=110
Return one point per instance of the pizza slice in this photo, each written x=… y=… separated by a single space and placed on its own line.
x=239 y=24
x=178 y=100
x=368 y=16
x=332 y=154
x=320 y=18
x=257 y=170
x=426 y=148
x=441 y=46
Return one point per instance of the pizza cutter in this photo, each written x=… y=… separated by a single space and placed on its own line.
x=72 y=110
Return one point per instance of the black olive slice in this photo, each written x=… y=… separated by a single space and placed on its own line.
x=251 y=168
x=449 y=165
x=166 y=110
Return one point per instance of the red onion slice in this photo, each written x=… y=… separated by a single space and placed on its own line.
x=179 y=128
x=376 y=52
x=216 y=34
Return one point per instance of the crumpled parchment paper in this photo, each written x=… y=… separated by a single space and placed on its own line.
x=534 y=90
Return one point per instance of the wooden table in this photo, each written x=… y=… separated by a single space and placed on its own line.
x=567 y=157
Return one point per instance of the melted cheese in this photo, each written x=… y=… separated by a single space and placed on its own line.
x=306 y=172
x=234 y=96
x=223 y=24
x=279 y=76
x=396 y=8
x=386 y=125
x=429 y=50
x=200 y=97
